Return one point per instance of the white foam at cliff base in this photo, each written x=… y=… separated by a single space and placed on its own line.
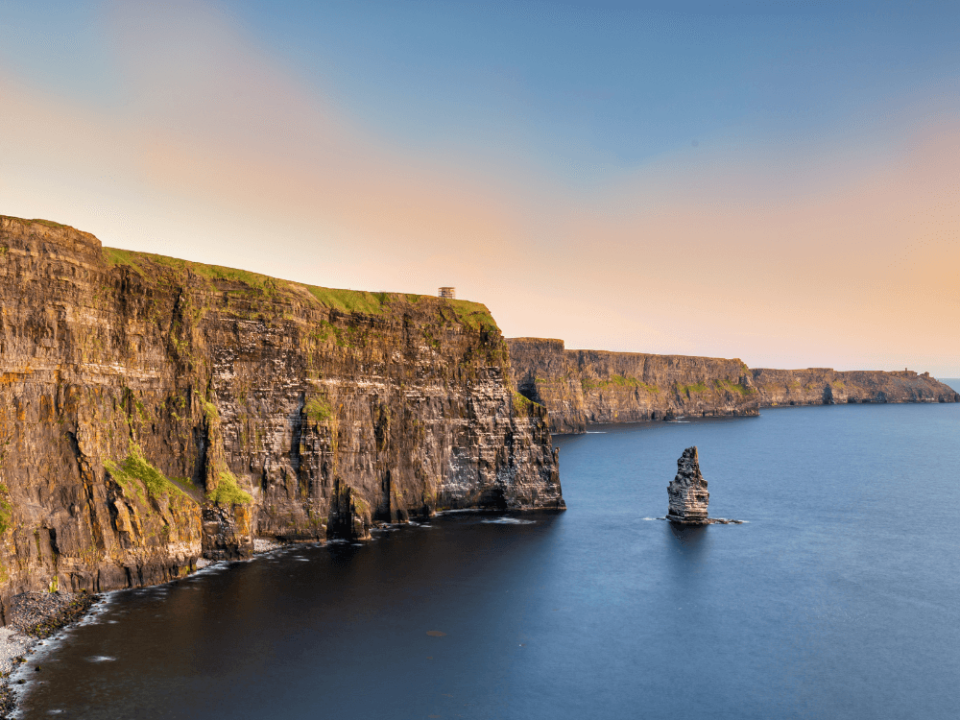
x=101 y=659
x=508 y=521
x=596 y=432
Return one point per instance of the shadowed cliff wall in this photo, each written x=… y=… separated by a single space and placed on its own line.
x=153 y=411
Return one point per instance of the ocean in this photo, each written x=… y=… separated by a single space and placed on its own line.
x=839 y=596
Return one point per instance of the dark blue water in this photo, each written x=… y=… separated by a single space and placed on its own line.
x=840 y=598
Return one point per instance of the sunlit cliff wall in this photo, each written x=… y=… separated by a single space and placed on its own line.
x=154 y=411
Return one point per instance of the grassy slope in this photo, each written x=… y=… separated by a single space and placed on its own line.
x=472 y=314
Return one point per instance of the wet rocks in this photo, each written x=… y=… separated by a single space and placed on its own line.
x=40 y=614
x=688 y=492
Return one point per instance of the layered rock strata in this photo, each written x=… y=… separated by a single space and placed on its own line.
x=589 y=387
x=153 y=411
x=688 y=496
x=687 y=492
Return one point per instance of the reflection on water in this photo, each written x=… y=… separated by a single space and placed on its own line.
x=837 y=600
x=689 y=538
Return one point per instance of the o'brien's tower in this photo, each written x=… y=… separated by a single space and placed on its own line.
x=447 y=292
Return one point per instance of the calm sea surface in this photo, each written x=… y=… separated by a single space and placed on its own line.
x=840 y=597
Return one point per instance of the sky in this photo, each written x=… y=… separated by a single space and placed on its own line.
x=776 y=181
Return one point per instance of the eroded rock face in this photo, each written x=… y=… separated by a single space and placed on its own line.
x=687 y=492
x=154 y=411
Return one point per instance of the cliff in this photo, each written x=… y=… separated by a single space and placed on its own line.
x=823 y=386
x=588 y=387
x=591 y=387
x=153 y=411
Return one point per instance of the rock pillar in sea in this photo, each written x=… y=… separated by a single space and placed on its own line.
x=688 y=492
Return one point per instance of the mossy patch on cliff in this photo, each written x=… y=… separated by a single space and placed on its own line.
x=521 y=403
x=318 y=409
x=222 y=485
x=742 y=390
x=5 y=508
x=227 y=490
x=136 y=472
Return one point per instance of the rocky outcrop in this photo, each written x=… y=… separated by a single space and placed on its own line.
x=687 y=492
x=589 y=387
x=688 y=496
x=824 y=386
x=153 y=411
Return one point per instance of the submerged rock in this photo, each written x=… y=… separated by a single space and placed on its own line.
x=688 y=493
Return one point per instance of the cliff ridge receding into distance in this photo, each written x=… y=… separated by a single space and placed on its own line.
x=153 y=411
x=825 y=386
x=592 y=387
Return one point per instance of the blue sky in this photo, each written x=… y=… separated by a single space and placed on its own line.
x=550 y=129
x=575 y=86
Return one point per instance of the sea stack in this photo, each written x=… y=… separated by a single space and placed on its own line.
x=688 y=493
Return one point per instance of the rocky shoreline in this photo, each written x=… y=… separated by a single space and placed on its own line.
x=32 y=617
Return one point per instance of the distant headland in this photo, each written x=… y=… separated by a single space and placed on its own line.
x=580 y=388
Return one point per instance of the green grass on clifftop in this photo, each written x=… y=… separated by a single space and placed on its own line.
x=473 y=315
x=38 y=221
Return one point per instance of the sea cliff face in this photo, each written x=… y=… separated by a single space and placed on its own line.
x=155 y=411
x=824 y=386
x=589 y=387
